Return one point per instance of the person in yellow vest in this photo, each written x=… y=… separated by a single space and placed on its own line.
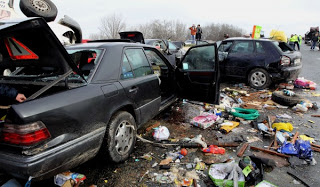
x=300 y=40
x=291 y=41
x=296 y=42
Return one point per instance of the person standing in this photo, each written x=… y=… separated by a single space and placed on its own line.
x=193 y=30
x=291 y=42
x=296 y=41
x=314 y=40
x=226 y=36
x=198 y=33
x=300 y=40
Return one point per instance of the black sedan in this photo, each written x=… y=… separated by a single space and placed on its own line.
x=91 y=97
x=260 y=62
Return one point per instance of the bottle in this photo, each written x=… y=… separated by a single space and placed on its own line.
x=302 y=108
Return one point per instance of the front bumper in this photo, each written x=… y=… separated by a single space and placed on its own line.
x=55 y=160
x=287 y=74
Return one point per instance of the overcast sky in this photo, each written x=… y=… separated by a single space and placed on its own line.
x=291 y=16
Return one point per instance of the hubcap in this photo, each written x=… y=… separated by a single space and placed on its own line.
x=258 y=78
x=124 y=138
x=40 y=5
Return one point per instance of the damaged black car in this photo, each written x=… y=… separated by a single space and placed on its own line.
x=91 y=97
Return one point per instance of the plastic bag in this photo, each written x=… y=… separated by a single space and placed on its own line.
x=226 y=175
x=304 y=149
x=161 y=133
x=283 y=126
x=214 y=149
x=288 y=148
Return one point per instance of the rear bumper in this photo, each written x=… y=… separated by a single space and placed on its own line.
x=287 y=74
x=55 y=160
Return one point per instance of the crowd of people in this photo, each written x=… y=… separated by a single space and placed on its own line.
x=196 y=33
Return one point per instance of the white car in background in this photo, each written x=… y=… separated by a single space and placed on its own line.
x=67 y=30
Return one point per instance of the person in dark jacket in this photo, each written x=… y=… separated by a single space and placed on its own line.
x=198 y=33
x=11 y=93
x=314 y=41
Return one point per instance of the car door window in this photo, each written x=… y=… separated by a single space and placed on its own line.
x=139 y=62
x=172 y=46
x=154 y=58
x=225 y=46
x=155 y=61
x=126 y=68
x=259 y=47
x=200 y=58
x=242 y=47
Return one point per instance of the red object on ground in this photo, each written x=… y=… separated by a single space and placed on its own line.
x=214 y=149
x=184 y=152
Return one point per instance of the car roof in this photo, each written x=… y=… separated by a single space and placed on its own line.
x=105 y=45
x=242 y=38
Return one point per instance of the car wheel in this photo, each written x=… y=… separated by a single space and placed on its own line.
x=39 y=8
x=120 y=136
x=282 y=99
x=259 y=78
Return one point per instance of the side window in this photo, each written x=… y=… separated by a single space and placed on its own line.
x=259 y=47
x=225 y=46
x=172 y=46
x=139 y=62
x=126 y=68
x=162 y=45
x=200 y=58
x=242 y=47
x=154 y=58
x=155 y=61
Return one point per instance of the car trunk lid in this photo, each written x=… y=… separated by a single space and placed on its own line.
x=34 y=38
x=135 y=36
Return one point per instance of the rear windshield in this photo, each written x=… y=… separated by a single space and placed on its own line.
x=282 y=46
x=85 y=59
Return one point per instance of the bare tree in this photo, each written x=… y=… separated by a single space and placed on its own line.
x=163 y=29
x=216 y=31
x=96 y=36
x=111 y=26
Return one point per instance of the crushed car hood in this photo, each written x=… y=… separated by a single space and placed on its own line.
x=35 y=35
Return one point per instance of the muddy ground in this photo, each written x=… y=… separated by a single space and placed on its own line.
x=177 y=118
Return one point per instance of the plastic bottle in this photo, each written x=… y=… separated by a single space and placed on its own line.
x=302 y=108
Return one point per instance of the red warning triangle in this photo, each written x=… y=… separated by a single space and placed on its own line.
x=18 y=51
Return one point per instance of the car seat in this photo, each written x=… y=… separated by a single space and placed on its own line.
x=87 y=67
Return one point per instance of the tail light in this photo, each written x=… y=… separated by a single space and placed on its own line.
x=285 y=61
x=25 y=135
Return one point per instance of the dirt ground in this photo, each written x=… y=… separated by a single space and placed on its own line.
x=139 y=171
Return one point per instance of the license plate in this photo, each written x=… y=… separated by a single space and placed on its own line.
x=297 y=61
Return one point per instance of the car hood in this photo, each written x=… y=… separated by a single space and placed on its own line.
x=35 y=35
x=132 y=35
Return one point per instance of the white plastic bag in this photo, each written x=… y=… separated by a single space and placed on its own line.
x=161 y=133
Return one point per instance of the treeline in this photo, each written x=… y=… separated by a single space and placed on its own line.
x=176 y=30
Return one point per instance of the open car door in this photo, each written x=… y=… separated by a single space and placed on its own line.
x=198 y=74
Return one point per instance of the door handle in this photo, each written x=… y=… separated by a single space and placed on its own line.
x=133 y=89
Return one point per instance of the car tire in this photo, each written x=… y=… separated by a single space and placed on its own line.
x=120 y=136
x=39 y=8
x=259 y=79
x=282 y=99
